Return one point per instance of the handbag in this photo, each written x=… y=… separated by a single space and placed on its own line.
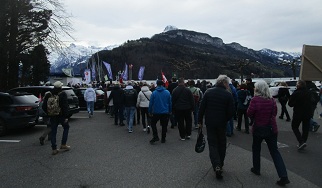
x=201 y=142
x=264 y=131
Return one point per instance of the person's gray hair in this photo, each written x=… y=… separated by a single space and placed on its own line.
x=222 y=79
x=261 y=89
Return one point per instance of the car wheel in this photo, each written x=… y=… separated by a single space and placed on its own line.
x=3 y=128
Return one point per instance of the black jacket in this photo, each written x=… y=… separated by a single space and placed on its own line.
x=117 y=94
x=182 y=98
x=217 y=106
x=283 y=95
x=130 y=97
x=300 y=102
x=63 y=103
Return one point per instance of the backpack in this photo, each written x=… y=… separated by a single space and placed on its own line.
x=247 y=99
x=314 y=96
x=53 y=108
x=196 y=97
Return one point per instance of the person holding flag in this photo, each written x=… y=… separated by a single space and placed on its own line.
x=164 y=79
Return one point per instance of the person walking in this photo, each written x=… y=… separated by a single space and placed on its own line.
x=130 y=99
x=263 y=110
x=243 y=103
x=283 y=97
x=301 y=104
x=90 y=98
x=56 y=107
x=183 y=106
x=230 y=123
x=160 y=107
x=117 y=95
x=197 y=95
x=143 y=102
x=217 y=106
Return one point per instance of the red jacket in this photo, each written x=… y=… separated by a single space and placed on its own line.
x=263 y=111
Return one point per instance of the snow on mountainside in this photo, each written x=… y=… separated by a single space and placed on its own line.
x=72 y=56
x=283 y=55
x=170 y=28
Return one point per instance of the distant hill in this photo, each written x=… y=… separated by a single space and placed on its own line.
x=187 y=53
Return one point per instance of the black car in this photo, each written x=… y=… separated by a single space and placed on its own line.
x=99 y=97
x=17 y=111
x=39 y=91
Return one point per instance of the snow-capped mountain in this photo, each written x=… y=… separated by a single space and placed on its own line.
x=280 y=55
x=170 y=28
x=73 y=56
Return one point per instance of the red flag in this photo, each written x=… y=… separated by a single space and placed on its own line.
x=164 y=79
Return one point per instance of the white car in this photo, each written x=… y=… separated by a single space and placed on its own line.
x=274 y=86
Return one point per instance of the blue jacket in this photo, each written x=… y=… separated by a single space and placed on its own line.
x=233 y=92
x=160 y=101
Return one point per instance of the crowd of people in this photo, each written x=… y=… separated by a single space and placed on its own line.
x=190 y=105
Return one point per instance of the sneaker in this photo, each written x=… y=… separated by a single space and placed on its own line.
x=316 y=127
x=42 y=140
x=154 y=140
x=196 y=127
x=130 y=131
x=283 y=181
x=55 y=151
x=218 y=171
x=182 y=139
x=144 y=129
x=301 y=146
x=89 y=115
x=66 y=147
x=288 y=120
x=162 y=140
x=188 y=137
x=148 y=130
x=255 y=171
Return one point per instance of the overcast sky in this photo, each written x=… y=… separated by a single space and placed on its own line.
x=281 y=25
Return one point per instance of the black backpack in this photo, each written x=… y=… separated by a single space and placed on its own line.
x=314 y=96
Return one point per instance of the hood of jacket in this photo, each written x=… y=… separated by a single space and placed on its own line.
x=145 y=88
x=160 y=88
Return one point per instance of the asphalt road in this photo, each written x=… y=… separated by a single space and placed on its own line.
x=105 y=155
x=306 y=163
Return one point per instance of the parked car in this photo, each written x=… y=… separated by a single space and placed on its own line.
x=274 y=86
x=39 y=91
x=99 y=97
x=17 y=111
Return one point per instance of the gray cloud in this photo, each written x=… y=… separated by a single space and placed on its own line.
x=279 y=25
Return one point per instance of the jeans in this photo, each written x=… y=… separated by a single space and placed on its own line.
x=184 y=116
x=312 y=124
x=118 y=113
x=301 y=138
x=216 y=137
x=55 y=121
x=90 y=107
x=195 y=114
x=242 y=112
x=273 y=150
x=130 y=112
x=164 y=118
x=145 y=112
x=230 y=127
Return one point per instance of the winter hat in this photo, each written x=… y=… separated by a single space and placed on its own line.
x=58 y=84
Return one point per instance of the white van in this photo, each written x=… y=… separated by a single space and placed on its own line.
x=274 y=86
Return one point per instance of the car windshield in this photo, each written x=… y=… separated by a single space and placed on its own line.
x=99 y=92
x=25 y=99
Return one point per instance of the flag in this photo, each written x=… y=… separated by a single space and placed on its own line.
x=87 y=73
x=141 y=73
x=164 y=79
x=93 y=68
x=109 y=71
x=125 y=73
x=68 y=72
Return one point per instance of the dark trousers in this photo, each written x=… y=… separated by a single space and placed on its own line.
x=164 y=118
x=182 y=117
x=273 y=150
x=296 y=122
x=145 y=112
x=118 y=113
x=138 y=114
x=217 y=141
x=284 y=110
x=54 y=122
x=241 y=113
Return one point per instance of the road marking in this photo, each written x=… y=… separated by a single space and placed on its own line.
x=280 y=145
x=12 y=141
